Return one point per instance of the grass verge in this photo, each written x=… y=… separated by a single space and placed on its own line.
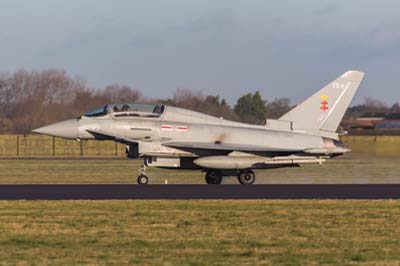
x=355 y=169
x=200 y=233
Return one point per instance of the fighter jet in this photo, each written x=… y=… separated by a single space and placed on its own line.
x=175 y=138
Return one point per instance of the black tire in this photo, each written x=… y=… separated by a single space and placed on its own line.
x=247 y=177
x=213 y=178
x=143 y=180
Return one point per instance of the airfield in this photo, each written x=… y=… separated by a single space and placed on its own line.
x=310 y=217
x=354 y=176
x=354 y=168
x=197 y=192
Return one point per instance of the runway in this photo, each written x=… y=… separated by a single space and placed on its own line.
x=153 y=192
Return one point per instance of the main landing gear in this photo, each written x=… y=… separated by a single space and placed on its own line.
x=245 y=177
x=213 y=177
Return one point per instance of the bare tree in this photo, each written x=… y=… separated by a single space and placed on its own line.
x=278 y=107
x=395 y=108
x=374 y=105
x=120 y=93
x=33 y=98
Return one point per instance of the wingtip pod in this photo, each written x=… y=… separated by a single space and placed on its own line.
x=354 y=75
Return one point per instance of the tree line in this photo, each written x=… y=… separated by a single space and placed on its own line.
x=30 y=99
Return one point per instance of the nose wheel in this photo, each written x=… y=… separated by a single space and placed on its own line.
x=142 y=179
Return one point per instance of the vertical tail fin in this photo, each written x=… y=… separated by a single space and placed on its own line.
x=324 y=110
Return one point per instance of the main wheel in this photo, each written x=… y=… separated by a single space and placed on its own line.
x=247 y=177
x=213 y=177
x=142 y=179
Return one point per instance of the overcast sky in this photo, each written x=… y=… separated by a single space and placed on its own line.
x=227 y=47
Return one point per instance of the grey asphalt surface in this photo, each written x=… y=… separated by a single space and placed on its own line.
x=153 y=192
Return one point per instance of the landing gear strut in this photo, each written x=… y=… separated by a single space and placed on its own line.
x=213 y=177
x=246 y=177
x=142 y=178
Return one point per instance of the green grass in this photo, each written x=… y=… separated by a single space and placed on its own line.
x=20 y=171
x=350 y=169
x=200 y=233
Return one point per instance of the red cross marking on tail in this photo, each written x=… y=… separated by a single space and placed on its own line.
x=324 y=105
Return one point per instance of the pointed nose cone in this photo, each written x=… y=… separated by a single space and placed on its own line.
x=66 y=129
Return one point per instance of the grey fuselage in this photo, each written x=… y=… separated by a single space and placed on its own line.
x=180 y=125
x=210 y=142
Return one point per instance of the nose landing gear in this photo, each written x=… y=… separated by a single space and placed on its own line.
x=143 y=178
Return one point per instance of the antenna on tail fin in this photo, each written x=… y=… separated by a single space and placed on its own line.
x=324 y=110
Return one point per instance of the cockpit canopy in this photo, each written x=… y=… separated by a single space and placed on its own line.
x=128 y=110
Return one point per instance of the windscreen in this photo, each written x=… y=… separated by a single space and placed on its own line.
x=97 y=112
x=139 y=110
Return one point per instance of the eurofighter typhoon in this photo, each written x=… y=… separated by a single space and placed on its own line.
x=171 y=137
